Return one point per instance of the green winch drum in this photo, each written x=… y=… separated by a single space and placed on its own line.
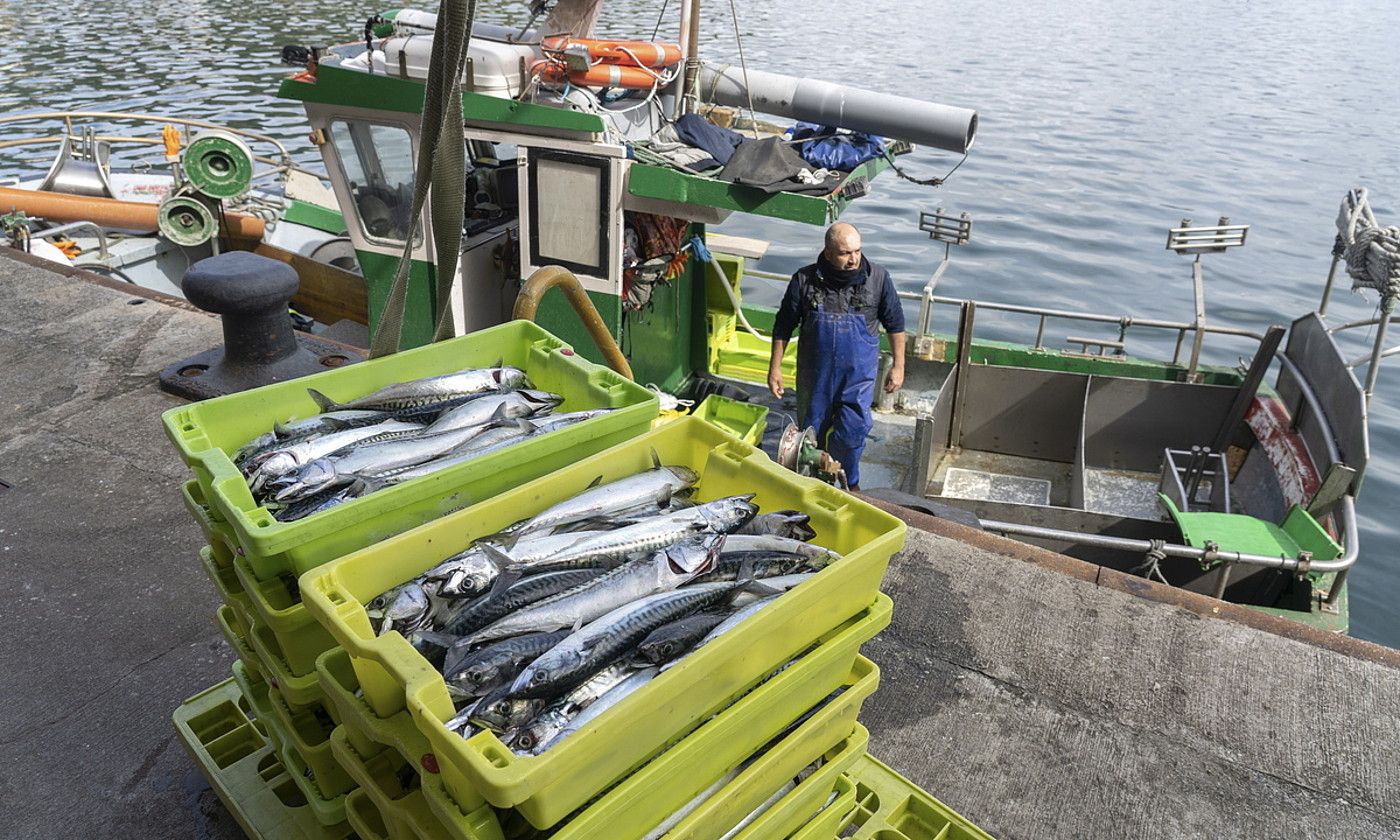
x=218 y=164
x=185 y=220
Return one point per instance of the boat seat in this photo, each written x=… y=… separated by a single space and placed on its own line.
x=1240 y=532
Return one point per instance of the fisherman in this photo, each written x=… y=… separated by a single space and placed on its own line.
x=841 y=301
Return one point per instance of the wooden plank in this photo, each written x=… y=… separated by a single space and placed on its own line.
x=327 y=293
x=739 y=246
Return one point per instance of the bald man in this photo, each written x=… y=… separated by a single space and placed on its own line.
x=840 y=301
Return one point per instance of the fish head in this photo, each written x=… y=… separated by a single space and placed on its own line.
x=311 y=478
x=732 y=512
x=277 y=463
x=536 y=678
x=696 y=556
x=470 y=573
x=408 y=610
x=510 y=377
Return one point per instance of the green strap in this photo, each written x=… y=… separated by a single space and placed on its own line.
x=441 y=165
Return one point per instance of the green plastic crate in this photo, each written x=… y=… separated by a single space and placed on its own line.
x=404 y=812
x=226 y=583
x=299 y=689
x=328 y=810
x=300 y=638
x=255 y=695
x=548 y=787
x=839 y=801
x=308 y=731
x=206 y=433
x=217 y=533
x=888 y=806
x=365 y=733
x=236 y=631
x=364 y=817
x=656 y=790
x=244 y=770
x=746 y=421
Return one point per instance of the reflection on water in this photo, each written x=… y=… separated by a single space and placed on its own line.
x=1102 y=124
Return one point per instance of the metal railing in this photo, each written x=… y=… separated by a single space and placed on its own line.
x=927 y=300
x=280 y=160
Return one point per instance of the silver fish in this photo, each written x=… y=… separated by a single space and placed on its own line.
x=664 y=571
x=669 y=641
x=818 y=555
x=615 y=695
x=509 y=595
x=463 y=575
x=405 y=608
x=535 y=735
x=555 y=422
x=499 y=712
x=792 y=524
x=654 y=486
x=510 y=405
x=369 y=461
x=279 y=462
x=483 y=671
x=488 y=441
x=718 y=516
x=330 y=421
x=430 y=390
x=602 y=641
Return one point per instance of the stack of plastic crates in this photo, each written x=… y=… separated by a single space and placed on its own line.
x=255 y=561
x=747 y=737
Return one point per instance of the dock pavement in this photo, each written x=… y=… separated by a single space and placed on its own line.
x=1039 y=696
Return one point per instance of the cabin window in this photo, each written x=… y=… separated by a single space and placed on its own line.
x=568 y=211
x=377 y=162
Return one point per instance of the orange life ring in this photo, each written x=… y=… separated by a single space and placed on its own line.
x=623 y=53
x=599 y=75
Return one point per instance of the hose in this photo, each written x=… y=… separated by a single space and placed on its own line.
x=703 y=253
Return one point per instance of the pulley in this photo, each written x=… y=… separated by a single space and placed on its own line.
x=798 y=451
x=186 y=220
x=218 y=164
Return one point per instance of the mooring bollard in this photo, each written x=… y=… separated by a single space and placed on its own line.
x=251 y=294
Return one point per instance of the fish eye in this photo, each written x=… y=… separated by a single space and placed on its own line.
x=475 y=676
x=539 y=677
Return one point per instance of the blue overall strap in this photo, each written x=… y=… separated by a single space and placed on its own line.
x=837 y=359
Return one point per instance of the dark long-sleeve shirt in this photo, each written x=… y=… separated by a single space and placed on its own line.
x=886 y=310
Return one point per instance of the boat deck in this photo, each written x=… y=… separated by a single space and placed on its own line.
x=1040 y=696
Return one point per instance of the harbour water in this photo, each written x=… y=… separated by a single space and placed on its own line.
x=1101 y=125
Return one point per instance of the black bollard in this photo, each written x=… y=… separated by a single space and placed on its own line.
x=251 y=294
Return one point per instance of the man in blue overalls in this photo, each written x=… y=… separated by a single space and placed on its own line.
x=841 y=301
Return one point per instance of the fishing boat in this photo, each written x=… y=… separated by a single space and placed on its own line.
x=576 y=204
x=139 y=198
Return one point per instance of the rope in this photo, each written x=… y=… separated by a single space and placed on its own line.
x=744 y=67
x=441 y=163
x=1372 y=252
x=659 y=17
x=1150 y=567
x=923 y=182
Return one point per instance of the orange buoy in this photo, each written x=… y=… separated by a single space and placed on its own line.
x=624 y=53
x=108 y=212
x=599 y=75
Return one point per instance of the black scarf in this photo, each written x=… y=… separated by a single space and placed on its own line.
x=839 y=278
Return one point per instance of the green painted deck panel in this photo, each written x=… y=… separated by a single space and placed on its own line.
x=334 y=86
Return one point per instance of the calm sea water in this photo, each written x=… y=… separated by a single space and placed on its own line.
x=1102 y=124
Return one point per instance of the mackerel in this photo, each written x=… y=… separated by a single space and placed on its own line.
x=604 y=640
x=820 y=555
x=510 y=405
x=670 y=641
x=485 y=670
x=719 y=516
x=510 y=595
x=488 y=441
x=616 y=695
x=662 y=572
x=431 y=390
x=280 y=461
x=792 y=524
x=540 y=731
x=655 y=487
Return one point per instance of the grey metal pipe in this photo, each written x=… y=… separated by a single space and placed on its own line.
x=1378 y=350
x=1346 y=513
x=941 y=126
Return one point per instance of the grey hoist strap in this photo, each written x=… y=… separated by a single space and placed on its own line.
x=442 y=166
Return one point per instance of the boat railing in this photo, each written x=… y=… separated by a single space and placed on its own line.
x=279 y=160
x=927 y=300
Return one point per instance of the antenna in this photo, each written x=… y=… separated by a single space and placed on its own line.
x=1206 y=239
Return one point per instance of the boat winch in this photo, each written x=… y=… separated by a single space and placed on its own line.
x=799 y=452
x=214 y=167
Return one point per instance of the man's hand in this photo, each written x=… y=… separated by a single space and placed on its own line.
x=895 y=380
x=775 y=381
x=775 y=367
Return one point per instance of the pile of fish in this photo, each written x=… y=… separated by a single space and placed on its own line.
x=400 y=432
x=544 y=626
